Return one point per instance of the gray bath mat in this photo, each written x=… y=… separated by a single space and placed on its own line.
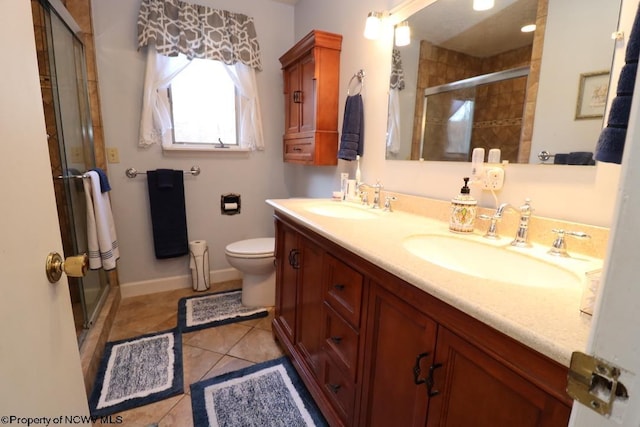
x=221 y=308
x=268 y=394
x=136 y=372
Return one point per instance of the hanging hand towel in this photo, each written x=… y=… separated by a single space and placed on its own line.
x=352 y=139
x=611 y=142
x=101 y=231
x=168 y=213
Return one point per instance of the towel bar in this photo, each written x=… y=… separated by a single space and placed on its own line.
x=132 y=172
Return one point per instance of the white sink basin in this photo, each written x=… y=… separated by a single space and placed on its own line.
x=342 y=210
x=500 y=263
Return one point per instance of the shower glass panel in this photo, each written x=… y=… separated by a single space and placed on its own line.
x=448 y=123
x=68 y=119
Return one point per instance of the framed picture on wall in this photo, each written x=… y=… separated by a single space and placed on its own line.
x=592 y=95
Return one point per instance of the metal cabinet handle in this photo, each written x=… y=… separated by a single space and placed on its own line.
x=339 y=286
x=297 y=97
x=430 y=391
x=416 y=369
x=336 y=339
x=293 y=258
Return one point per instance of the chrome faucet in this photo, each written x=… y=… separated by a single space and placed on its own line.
x=492 y=231
x=522 y=235
x=376 y=193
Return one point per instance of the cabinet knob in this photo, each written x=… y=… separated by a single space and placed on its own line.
x=334 y=387
x=339 y=286
x=336 y=339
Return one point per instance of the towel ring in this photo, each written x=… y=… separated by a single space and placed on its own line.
x=360 y=76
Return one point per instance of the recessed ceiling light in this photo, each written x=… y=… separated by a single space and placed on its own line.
x=528 y=28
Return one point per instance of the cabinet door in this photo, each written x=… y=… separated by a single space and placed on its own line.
x=477 y=390
x=310 y=292
x=292 y=91
x=401 y=344
x=288 y=259
x=307 y=118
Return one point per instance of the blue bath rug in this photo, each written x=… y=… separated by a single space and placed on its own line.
x=268 y=394
x=220 y=308
x=138 y=371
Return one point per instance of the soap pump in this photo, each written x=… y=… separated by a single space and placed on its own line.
x=463 y=210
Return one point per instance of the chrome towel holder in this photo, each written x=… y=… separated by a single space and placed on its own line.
x=132 y=172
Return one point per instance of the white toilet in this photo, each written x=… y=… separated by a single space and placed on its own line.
x=255 y=259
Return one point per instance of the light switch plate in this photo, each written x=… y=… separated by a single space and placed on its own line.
x=112 y=155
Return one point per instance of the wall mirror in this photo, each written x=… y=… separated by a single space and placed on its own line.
x=474 y=79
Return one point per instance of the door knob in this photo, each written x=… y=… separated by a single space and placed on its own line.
x=73 y=266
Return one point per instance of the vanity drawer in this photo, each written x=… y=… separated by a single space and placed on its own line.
x=339 y=389
x=343 y=290
x=341 y=341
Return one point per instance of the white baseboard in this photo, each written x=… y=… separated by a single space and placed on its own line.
x=146 y=287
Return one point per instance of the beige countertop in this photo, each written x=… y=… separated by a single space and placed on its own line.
x=546 y=318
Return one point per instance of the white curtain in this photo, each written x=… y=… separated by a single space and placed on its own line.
x=155 y=123
x=250 y=132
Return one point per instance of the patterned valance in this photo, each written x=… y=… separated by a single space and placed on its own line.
x=196 y=31
x=397 y=74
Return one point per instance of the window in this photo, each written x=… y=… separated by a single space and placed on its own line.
x=204 y=106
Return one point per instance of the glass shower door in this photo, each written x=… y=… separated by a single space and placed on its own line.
x=67 y=113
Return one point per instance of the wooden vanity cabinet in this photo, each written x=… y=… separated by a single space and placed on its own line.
x=386 y=353
x=311 y=72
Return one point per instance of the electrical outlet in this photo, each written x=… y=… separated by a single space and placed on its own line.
x=112 y=155
x=493 y=177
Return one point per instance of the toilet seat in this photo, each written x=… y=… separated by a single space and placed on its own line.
x=262 y=247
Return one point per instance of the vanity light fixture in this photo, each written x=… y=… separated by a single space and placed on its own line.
x=403 y=34
x=482 y=4
x=373 y=26
x=528 y=28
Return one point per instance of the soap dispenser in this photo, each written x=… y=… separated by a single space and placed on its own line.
x=463 y=210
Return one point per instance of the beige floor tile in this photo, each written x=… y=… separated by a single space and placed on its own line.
x=147 y=414
x=227 y=364
x=196 y=363
x=257 y=346
x=265 y=322
x=219 y=339
x=180 y=415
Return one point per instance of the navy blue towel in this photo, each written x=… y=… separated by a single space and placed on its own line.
x=352 y=138
x=104 y=181
x=611 y=142
x=168 y=213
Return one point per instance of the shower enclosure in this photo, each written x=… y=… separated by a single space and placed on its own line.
x=63 y=80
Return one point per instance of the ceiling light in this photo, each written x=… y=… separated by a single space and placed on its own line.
x=373 y=25
x=528 y=28
x=482 y=4
x=403 y=34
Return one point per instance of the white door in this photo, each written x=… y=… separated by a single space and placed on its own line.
x=40 y=373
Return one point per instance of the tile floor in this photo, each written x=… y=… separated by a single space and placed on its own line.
x=206 y=353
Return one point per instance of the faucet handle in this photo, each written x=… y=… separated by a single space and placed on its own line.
x=387 y=203
x=559 y=246
x=492 y=230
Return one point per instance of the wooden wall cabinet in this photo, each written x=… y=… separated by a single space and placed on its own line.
x=311 y=72
x=376 y=351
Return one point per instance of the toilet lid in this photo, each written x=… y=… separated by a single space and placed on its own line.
x=261 y=246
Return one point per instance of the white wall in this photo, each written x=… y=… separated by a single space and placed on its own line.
x=256 y=176
x=569 y=192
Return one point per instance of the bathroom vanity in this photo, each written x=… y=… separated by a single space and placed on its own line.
x=382 y=337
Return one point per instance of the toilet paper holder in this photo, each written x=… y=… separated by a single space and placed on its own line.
x=230 y=204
